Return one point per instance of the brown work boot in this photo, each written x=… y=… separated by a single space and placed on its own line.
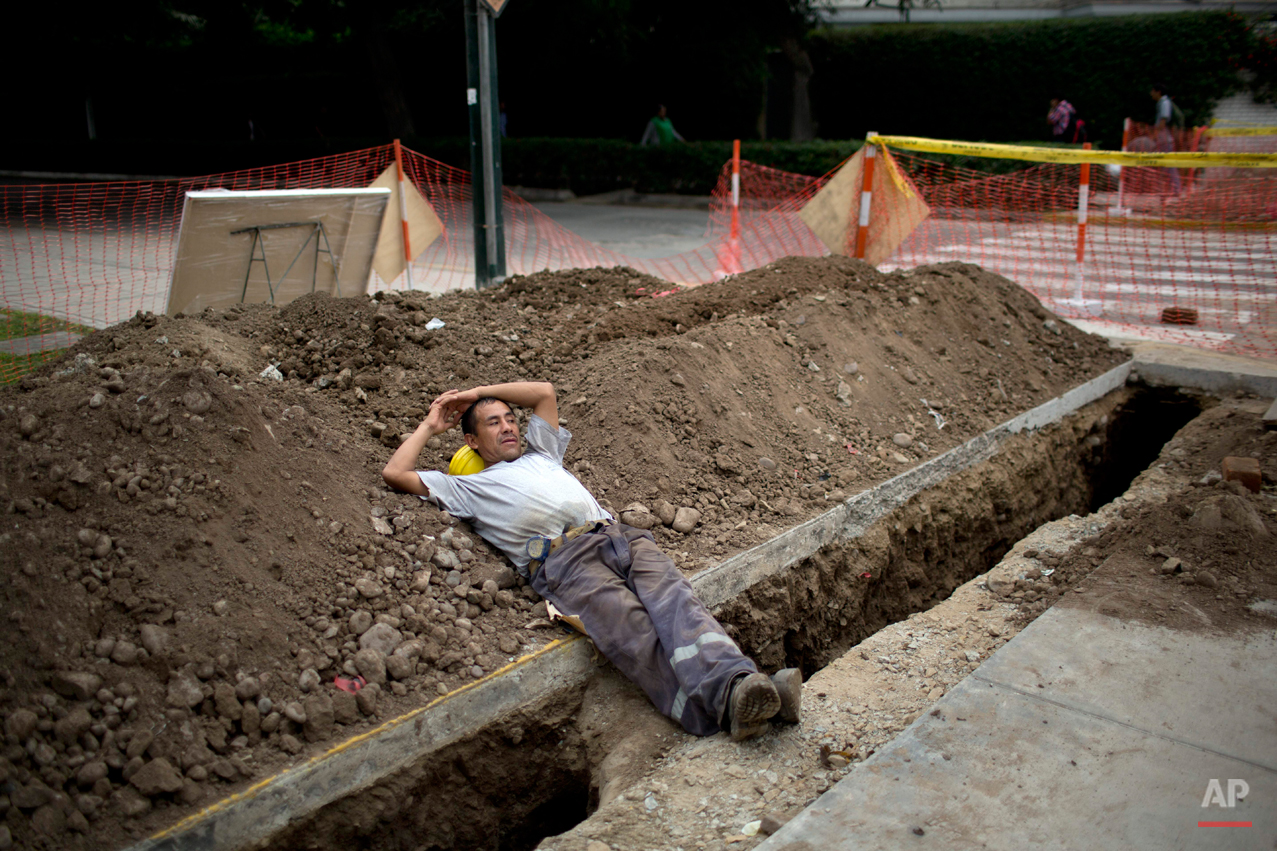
x=753 y=700
x=789 y=684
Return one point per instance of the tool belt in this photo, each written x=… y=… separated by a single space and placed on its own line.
x=540 y=547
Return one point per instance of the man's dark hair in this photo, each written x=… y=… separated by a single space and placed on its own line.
x=467 y=419
x=1160 y=88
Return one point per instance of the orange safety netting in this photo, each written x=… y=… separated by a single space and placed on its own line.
x=1210 y=250
x=84 y=256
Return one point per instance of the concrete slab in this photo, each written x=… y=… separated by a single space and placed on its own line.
x=1082 y=732
x=1202 y=369
x=39 y=343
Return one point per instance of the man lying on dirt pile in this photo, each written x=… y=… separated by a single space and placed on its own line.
x=634 y=604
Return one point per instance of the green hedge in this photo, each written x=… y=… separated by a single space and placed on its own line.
x=589 y=166
x=993 y=82
x=586 y=166
x=592 y=166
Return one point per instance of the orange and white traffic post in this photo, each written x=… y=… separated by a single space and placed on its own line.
x=866 y=195
x=403 y=212
x=735 y=231
x=1119 y=210
x=1084 y=305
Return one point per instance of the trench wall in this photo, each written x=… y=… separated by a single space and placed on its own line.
x=493 y=766
x=806 y=615
x=917 y=554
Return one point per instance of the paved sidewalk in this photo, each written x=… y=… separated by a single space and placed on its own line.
x=1240 y=110
x=1084 y=731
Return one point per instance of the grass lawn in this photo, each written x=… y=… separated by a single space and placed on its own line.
x=13 y=367
x=15 y=324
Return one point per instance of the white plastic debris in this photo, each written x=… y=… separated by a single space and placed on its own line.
x=434 y=324
x=271 y=372
x=751 y=829
x=934 y=413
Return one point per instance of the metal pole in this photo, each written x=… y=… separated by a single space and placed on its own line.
x=488 y=119
x=478 y=195
x=485 y=145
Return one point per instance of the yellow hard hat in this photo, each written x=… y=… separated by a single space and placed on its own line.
x=466 y=461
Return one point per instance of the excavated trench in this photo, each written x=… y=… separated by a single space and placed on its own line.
x=534 y=773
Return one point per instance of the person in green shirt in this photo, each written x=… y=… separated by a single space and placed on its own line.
x=660 y=130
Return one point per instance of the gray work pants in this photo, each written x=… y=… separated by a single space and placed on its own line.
x=646 y=619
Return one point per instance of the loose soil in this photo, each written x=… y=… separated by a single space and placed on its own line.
x=193 y=552
x=707 y=794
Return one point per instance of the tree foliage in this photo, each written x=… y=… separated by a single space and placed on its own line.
x=993 y=81
x=306 y=69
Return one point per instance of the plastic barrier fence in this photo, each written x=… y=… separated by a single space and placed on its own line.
x=84 y=256
x=1184 y=255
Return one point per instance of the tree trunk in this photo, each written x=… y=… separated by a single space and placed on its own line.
x=385 y=79
x=802 y=128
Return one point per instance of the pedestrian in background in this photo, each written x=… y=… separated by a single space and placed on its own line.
x=1065 y=125
x=660 y=130
x=1167 y=117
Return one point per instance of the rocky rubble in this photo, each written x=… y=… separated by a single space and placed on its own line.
x=199 y=551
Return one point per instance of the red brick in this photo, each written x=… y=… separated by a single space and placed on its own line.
x=1244 y=470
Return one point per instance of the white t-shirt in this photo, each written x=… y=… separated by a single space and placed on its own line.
x=512 y=501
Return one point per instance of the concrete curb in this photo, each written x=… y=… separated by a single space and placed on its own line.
x=1210 y=380
x=251 y=818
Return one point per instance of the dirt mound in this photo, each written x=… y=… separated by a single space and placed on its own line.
x=195 y=551
x=1206 y=558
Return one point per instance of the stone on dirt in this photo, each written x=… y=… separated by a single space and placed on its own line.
x=381 y=637
x=345 y=707
x=76 y=685
x=154 y=638
x=367 y=697
x=184 y=690
x=685 y=519
x=371 y=664
x=636 y=514
x=319 y=718
x=228 y=705
x=157 y=777
x=21 y=724
x=308 y=680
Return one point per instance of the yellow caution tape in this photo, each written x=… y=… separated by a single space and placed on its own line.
x=1076 y=156
x=897 y=176
x=1242 y=131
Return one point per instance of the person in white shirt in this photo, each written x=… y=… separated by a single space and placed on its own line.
x=630 y=598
